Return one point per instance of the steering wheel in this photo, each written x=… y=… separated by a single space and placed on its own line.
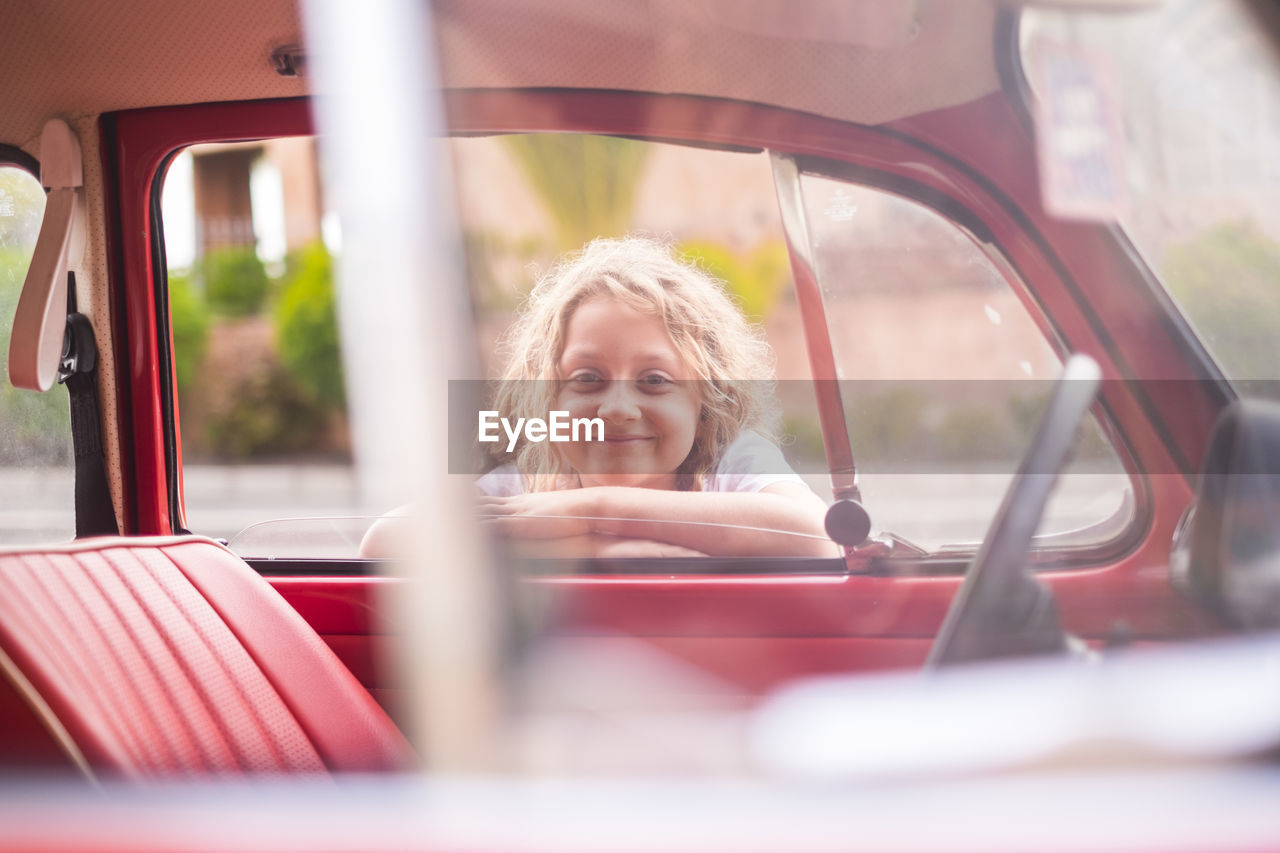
x=1001 y=609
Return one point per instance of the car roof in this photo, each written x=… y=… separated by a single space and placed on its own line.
x=860 y=60
x=72 y=58
x=865 y=61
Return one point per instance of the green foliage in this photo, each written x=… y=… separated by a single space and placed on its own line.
x=269 y=384
x=22 y=203
x=306 y=330
x=235 y=281
x=974 y=432
x=1227 y=282
x=587 y=183
x=886 y=426
x=267 y=415
x=915 y=425
x=758 y=279
x=189 y=322
x=35 y=429
x=804 y=435
x=1026 y=409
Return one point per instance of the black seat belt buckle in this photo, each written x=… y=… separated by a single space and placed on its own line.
x=79 y=351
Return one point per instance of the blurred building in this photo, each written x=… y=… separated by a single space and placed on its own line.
x=248 y=194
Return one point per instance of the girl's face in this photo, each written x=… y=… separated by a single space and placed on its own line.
x=621 y=366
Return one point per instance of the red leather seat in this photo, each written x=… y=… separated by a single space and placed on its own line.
x=162 y=657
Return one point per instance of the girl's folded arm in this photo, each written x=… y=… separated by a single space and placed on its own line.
x=783 y=519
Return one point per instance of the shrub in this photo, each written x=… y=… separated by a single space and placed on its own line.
x=35 y=429
x=1225 y=282
x=235 y=281
x=803 y=434
x=306 y=330
x=266 y=416
x=189 y=322
x=972 y=433
x=885 y=423
x=757 y=279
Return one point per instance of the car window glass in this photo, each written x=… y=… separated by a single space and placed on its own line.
x=261 y=403
x=264 y=431
x=943 y=372
x=36 y=474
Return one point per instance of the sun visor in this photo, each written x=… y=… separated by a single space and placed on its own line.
x=35 y=347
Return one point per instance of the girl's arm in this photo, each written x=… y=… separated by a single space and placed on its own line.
x=764 y=523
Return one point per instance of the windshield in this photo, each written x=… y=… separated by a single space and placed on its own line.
x=1195 y=89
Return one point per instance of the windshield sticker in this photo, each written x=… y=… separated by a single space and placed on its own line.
x=1079 y=136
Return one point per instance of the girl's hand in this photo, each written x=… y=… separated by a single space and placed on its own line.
x=539 y=515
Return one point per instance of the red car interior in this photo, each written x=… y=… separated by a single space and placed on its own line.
x=165 y=654
x=169 y=656
x=810 y=624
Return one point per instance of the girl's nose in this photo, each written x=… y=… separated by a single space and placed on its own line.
x=619 y=402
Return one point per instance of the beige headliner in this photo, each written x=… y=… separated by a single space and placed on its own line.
x=73 y=58
x=78 y=58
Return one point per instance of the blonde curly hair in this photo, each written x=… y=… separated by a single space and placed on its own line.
x=733 y=363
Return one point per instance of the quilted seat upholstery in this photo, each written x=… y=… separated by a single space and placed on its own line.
x=161 y=657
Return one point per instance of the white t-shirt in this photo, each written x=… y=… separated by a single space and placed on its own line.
x=749 y=464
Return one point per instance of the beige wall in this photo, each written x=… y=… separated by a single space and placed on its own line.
x=299 y=175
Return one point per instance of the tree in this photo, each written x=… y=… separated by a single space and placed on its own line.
x=307 y=330
x=35 y=429
x=189 y=323
x=757 y=279
x=587 y=183
x=1227 y=282
x=235 y=281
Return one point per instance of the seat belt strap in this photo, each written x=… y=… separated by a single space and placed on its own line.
x=78 y=370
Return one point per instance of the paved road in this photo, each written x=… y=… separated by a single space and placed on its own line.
x=932 y=509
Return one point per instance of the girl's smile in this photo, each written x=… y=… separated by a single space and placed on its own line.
x=619 y=364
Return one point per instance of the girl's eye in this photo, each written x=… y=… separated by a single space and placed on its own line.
x=586 y=379
x=655 y=380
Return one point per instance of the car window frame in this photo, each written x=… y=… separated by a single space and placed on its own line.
x=740 y=127
x=11 y=155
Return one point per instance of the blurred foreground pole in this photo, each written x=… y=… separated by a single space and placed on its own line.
x=405 y=322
